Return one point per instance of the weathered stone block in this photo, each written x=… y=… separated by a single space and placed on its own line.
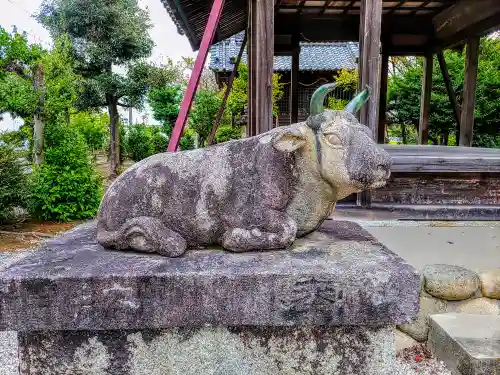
x=9 y=361
x=468 y=344
x=214 y=350
x=339 y=275
x=326 y=306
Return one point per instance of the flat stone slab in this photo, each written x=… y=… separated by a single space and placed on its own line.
x=337 y=276
x=468 y=344
x=210 y=350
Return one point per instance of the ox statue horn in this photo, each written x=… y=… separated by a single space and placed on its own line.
x=318 y=98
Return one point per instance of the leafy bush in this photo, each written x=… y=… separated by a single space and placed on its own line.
x=138 y=142
x=122 y=141
x=226 y=133
x=13 y=186
x=146 y=140
x=238 y=97
x=336 y=104
x=187 y=140
x=17 y=139
x=202 y=116
x=93 y=127
x=159 y=140
x=67 y=187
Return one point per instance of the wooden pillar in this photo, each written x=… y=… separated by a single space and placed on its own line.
x=451 y=92
x=260 y=66
x=425 y=100
x=369 y=71
x=369 y=64
x=250 y=129
x=187 y=101
x=384 y=75
x=469 y=98
x=294 y=88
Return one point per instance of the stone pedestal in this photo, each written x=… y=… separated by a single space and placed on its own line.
x=326 y=306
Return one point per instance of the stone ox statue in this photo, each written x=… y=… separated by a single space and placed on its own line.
x=256 y=193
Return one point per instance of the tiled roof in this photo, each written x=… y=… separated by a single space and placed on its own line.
x=313 y=56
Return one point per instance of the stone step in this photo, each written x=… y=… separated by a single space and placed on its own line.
x=468 y=344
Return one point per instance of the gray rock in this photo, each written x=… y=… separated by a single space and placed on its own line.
x=257 y=193
x=419 y=327
x=211 y=350
x=451 y=283
x=404 y=341
x=468 y=344
x=338 y=275
x=478 y=306
x=490 y=283
x=9 y=361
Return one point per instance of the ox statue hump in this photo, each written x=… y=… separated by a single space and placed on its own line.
x=256 y=193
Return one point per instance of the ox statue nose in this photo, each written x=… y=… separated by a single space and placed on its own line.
x=384 y=162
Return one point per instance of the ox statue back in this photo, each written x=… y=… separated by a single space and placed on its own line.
x=256 y=193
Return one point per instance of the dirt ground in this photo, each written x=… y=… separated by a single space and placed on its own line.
x=30 y=233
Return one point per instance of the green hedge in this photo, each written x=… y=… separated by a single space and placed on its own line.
x=67 y=187
x=13 y=182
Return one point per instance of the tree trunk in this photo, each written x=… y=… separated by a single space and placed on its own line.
x=403 y=134
x=38 y=128
x=444 y=139
x=114 y=136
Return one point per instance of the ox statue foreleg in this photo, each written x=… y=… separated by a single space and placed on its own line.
x=275 y=231
x=145 y=234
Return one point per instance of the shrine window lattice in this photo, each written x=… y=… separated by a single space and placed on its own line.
x=305 y=93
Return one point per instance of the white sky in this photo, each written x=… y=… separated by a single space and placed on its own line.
x=164 y=33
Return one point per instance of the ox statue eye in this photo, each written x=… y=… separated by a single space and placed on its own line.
x=333 y=140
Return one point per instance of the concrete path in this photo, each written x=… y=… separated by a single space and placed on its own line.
x=471 y=245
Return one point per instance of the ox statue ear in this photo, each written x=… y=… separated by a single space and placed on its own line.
x=289 y=139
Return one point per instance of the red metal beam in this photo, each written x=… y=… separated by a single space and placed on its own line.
x=187 y=101
x=228 y=90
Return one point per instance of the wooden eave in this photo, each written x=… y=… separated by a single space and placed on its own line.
x=410 y=27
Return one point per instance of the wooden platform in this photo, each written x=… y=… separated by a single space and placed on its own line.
x=441 y=175
x=443 y=159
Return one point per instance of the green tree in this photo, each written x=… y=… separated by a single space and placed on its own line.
x=16 y=54
x=36 y=84
x=405 y=90
x=165 y=103
x=202 y=116
x=105 y=34
x=139 y=144
x=93 y=127
x=238 y=98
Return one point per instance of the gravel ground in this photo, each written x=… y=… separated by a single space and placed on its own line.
x=417 y=360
